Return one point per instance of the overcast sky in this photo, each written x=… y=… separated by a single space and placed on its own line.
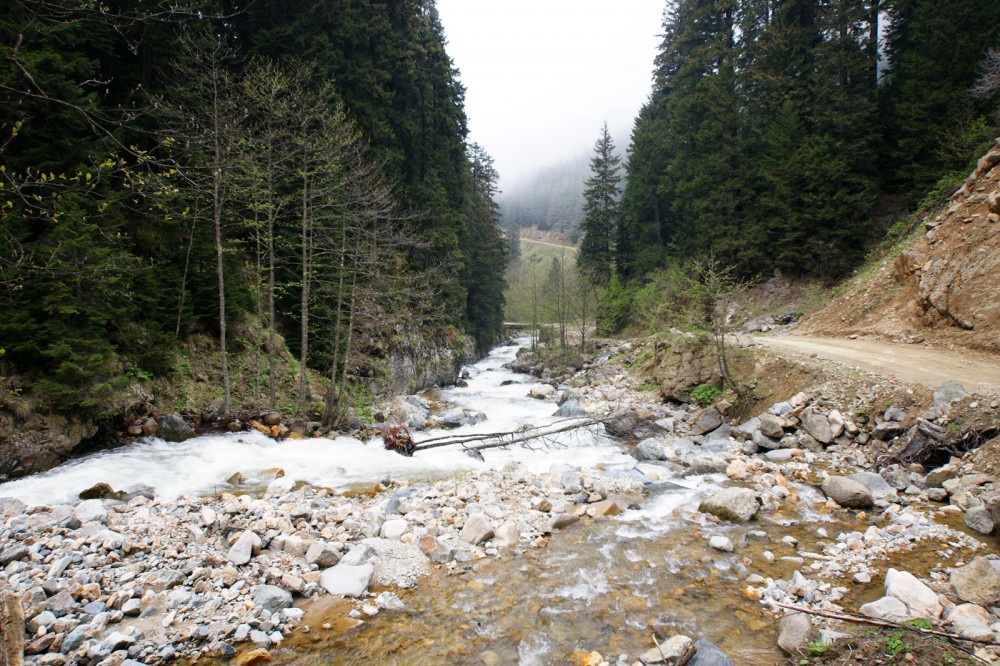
x=541 y=76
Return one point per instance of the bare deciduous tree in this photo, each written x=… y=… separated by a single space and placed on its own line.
x=988 y=83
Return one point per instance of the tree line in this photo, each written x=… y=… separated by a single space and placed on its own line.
x=779 y=134
x=246 y=172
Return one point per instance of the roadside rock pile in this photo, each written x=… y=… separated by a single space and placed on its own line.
x=153 y=580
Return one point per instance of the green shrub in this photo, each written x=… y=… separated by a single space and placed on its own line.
x=704 y=394
x=614 y=307
x=920 y=623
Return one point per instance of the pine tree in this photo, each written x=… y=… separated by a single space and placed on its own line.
x=600 y=211
x=705 y=141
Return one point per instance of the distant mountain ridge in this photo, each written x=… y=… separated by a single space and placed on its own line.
x=551 y=200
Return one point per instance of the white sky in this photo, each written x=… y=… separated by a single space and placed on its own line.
x=541 y=76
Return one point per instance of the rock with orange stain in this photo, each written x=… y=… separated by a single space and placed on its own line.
x=260 y=427
x=253 y=658
x=581 y=658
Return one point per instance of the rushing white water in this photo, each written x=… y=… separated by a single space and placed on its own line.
x=202 y=464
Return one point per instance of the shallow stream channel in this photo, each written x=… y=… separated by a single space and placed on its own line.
x=608 y=584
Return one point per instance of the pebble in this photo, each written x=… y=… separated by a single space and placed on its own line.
x=721 y=543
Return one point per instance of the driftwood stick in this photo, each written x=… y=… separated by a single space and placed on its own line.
x=845 y=617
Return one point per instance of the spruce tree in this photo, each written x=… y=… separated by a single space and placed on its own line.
x=600 y=211
x=486 y=248
x=934 y=49
x=639 y=243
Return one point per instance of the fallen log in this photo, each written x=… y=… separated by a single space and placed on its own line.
x=846 y=617
x=500 y=439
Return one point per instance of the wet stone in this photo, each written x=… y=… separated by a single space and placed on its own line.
x=919 y=599
x=793 y=632
x=979 y=519
x=477 y=529
x=977 y=582
x=740 y=504
x=847 y=492
x=272 y=598
x=346 y=580
x=562 y=520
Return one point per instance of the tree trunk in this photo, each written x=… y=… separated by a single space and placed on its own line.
x=304 y=307
x=329 y=416
x=187 y=264
x=341 y=409
x=271 y=322
x=259 y=329
x=217 y=215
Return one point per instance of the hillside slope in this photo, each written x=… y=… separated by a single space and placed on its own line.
x=940 y=286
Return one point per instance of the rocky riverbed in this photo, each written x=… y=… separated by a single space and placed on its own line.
x=149 y=580
x=194 y=576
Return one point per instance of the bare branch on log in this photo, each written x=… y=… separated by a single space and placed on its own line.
x=845 y=617
x=495 y=440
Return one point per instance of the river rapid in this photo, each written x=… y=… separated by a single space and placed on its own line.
x=202 y=464
x=609 y=584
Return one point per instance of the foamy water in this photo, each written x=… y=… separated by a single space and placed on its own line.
x=202 y=464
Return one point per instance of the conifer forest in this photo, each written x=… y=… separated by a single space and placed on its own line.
x=276 y=169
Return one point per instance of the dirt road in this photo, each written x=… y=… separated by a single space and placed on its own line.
x=909 y=363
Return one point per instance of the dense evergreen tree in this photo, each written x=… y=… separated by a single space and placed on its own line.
x=757 y=144
x=486 y=250
x=931 y=122
x=73 y=247
x=600 y=211
x=639 y=243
